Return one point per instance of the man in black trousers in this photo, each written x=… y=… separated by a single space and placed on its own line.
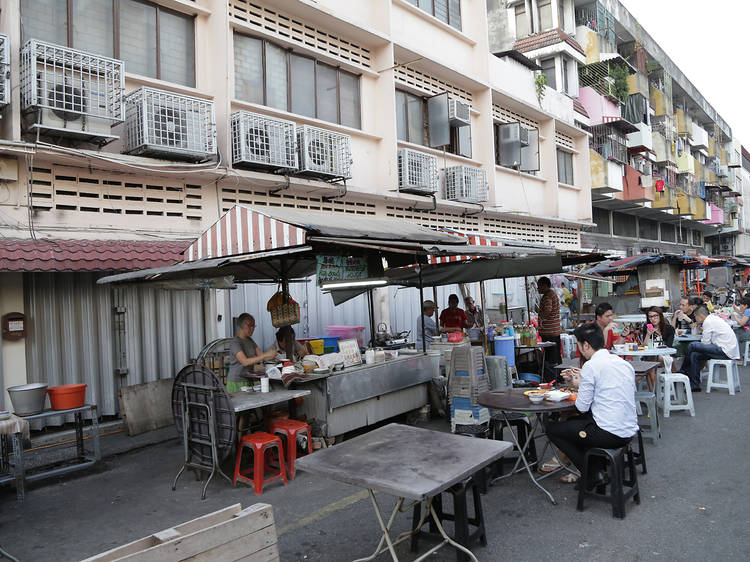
x=606 y=401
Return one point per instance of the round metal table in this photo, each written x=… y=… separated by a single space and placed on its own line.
x=514 y=401
x=647 y=352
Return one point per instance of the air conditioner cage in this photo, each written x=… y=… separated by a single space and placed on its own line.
x=4 y=70
x=466 y=184
x=263 y=142
x=324 y=154
x=160 y=123
x=459 y=113
x=417 y=172
x=68 y=92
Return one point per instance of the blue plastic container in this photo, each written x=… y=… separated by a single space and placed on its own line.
x=330 y=343
x=506 y=346
x=531 y=377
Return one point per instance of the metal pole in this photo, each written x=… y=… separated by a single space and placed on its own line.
x=437 y=308
x=371 y=306
x=484 y=328
x=421 y=309
x=505 y=296
x=528 y=304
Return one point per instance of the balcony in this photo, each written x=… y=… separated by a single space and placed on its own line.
x=666 y=199
x=660 y=102
x=633 y=189
x=700 y=209
x=638 y=84
x=715 y=215
x=711 y=147
x=642 y=140
x=685 y=163
x=663 y=151
x=606 y=175
x=683 y=204
x=684 y=122
x=700 y=137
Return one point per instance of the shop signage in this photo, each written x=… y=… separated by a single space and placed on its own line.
x=341 y=268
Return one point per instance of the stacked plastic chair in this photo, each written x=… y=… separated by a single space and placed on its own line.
x=468 y=379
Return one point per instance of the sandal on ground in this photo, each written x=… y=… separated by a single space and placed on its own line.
x=550 y=466
x=570 y=478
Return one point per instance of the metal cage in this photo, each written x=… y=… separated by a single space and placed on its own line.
x=466 y=184
x=417 y=172
x=259 y=141
x=4 y=70
x=324 y=154
x=68 y=92
x=161 y=123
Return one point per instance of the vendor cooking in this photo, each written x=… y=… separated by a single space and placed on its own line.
x=244 y=353
x=453 y=319
x=284 y=334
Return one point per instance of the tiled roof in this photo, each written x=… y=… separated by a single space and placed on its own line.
x=578 y=106
x=87 y=255
x=545 y=39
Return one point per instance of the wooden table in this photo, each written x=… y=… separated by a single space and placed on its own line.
x=515 y=401
x=409 y=463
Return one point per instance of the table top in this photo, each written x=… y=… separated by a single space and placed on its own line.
x=538 y=345
x=688 y=337
x=49 y=413
x=640 y=367
x=515 y=401
x=243 y=401
x=646 y=352
x=405 y=461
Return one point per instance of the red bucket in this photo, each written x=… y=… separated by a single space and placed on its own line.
x=67 y=396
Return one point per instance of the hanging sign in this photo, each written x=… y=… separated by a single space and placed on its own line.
x=341 y=268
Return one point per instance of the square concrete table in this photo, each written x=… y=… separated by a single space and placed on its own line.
x=409 y=463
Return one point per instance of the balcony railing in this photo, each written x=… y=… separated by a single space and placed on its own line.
x=596 y=17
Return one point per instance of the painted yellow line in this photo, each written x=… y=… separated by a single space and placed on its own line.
x=323 y=512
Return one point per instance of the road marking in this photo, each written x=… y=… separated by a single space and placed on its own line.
x=323 y=512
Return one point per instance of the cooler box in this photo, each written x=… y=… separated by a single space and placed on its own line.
x=506 y=346
x=347 y=333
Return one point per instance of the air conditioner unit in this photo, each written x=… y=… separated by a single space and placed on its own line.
x=4 y=70
x=324 y=154
x=417 y=172
x=524 y=136
x=263 y=142
x=65 y=92
x=161 y=123
x=466 y=184
x=459 y=113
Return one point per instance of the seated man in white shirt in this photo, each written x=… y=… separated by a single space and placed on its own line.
x=606 y=402
x=718 y=342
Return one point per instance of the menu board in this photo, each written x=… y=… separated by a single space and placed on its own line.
x=341 y=268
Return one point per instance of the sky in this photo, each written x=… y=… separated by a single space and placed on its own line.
x=710 y=42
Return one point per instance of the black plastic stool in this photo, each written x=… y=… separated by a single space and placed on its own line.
x=522 y=431
x=639 y=456
x=460 y=517
x=616 y=461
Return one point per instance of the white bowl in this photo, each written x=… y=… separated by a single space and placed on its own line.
x=536 y=399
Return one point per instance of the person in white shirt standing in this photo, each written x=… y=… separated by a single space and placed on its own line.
x=718 y=342
x=606 y=402
x=430 y=327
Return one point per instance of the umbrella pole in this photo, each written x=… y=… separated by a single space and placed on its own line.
x=421 y=310
x=505 y=296
x=484 y=328
x=437 y=309
x=528 y=304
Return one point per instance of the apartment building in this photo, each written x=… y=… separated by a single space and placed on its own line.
x=131 y=125
x=664 y=164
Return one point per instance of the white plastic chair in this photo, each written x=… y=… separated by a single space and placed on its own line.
x=746 y=355
x=733 y=375
x=675 y=393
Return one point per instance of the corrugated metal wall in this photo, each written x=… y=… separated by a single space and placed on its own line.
x=71 y=334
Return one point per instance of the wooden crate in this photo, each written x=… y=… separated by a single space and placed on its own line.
x=227 y=535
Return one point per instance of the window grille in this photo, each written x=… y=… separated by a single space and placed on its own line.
x=4 y=70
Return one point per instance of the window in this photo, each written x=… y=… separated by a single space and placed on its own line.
x=548 y=69
x=564 y=167
x=153 y=41
x=697 y=238
x=545 y=14
x=667 y=232
x=410 y=117
x=522 y=22
x=561 y=14
x=566 y=83
x=648 y=229
x=623 y=225
x=447 y=11
x=267 y=74
x=517 y=147
x=602 y=220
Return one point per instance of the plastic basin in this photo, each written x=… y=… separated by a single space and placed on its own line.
x=67 y=396
x=347 y=333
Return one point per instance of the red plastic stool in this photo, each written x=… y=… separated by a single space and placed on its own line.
x=289 y=429
x=259 y=444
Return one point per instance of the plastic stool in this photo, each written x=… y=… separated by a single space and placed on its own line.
x=639 y=456
x=746 y=354
x=616 y=461
x=259 y=444
x=290 y=430
x=733 y=375
x=679 y=385
x=648 y=399
x=460 y=517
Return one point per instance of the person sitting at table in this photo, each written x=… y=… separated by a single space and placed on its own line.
x=684 y=318
x=604 y=314
x=741 y=315
x=430 y=327
x=707 y=298
x=718 y=342
x=605 y=402
x=244 y=353
x=453 y=319
x=659 y=328
x=284 y=334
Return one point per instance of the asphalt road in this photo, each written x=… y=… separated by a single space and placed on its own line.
x=694 y=505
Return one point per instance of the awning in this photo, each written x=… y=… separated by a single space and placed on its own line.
x=631 y=263
x=58 y=254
